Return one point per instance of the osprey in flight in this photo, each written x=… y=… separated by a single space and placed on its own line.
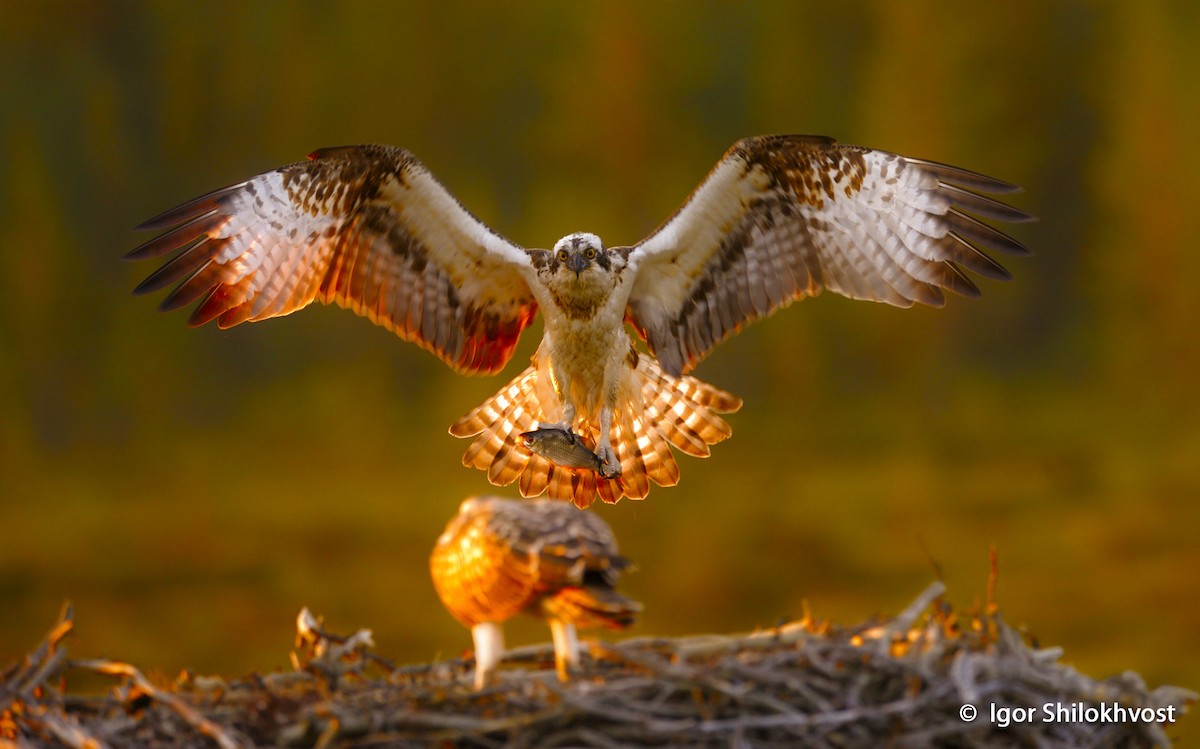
x=500 y=557
x=778 y=218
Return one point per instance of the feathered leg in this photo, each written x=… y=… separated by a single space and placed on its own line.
x=604 y=450
x=562 y=388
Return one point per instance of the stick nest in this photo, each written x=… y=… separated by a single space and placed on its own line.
x=898 y=682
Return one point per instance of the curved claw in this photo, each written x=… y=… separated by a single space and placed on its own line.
x=610 y=467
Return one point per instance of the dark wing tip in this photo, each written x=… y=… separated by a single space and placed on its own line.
x=137 y=253
x=153 y=282
x=189 y=211
x=215 y=304
x=965 y=177
x=1017 y=250
x=959 y=283
x=981 y=205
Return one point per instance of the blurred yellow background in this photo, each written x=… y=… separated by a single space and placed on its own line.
x=190 y=490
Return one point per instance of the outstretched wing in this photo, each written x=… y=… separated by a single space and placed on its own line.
x=782 y=217
x=366 y=227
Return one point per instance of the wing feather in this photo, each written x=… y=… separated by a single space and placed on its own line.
x=783 y=217
x=566 y=542
x=364 y=227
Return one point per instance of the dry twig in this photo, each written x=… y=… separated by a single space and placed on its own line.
x=900 y=682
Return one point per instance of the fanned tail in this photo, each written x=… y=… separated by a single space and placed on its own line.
x=678 y=411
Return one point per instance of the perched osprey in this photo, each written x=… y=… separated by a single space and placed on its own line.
x=778 y=218
x=500 y=557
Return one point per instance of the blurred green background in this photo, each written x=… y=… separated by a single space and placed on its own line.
x=190 y=490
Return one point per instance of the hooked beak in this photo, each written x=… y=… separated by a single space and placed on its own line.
x=577 y=263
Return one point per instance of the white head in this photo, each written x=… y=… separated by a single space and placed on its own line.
x=577 y=252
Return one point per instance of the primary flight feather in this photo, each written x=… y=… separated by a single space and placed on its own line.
x=778 y=218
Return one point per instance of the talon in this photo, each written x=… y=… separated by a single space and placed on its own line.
x=562 y=426
x=610 y=467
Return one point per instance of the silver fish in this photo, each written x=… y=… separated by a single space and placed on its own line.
x=562 y=447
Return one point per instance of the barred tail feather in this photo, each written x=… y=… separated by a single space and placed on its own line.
x=496 y=424
x=634 y=481
x=509 y=463
x=608 y=490
x=684 y=410
x=701 y=393
x=520 y=392
x=656 y=453
x=572 y=485
x=536 y=476
x=510 y=458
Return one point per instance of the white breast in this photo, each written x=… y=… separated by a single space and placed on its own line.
x=590 y=352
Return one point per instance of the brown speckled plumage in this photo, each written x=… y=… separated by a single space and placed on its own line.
x=332 y=233
x=503 y=557
x=778 y=218
x=500 y=557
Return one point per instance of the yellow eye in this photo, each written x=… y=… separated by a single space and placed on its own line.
x=589 y=253
x=562 y=255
